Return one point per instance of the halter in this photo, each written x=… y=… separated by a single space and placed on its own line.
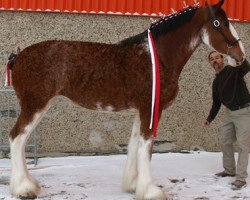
x=217 y=27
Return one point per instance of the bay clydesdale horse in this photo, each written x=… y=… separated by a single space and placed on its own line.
x=114 y=77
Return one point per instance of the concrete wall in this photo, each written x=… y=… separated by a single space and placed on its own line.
x=70 y=128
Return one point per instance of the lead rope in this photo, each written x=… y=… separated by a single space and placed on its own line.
x=155 y=101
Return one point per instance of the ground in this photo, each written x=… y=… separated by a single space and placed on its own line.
x=183 y=176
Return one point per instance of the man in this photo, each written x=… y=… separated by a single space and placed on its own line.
x=229 y=89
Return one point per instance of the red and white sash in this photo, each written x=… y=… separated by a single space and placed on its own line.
x=155 y=85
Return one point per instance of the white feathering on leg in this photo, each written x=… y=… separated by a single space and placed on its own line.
x=146 y=189
x=130 y=171
x=22 y=184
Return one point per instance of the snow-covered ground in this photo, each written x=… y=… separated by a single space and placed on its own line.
x=182 y=176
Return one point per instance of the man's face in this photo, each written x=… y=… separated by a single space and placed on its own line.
x=216 y=61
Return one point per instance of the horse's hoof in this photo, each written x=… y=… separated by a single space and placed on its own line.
x=153 y=193
x=29 y=196
x=25 y=189
x=130 y=187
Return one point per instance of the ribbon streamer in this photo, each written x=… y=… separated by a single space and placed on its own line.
x=155 y=86
x=8 y=75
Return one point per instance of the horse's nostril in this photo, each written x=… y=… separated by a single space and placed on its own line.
x=233 y=57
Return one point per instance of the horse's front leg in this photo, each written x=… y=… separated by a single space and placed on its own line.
x=146 y=189
x=131 y=169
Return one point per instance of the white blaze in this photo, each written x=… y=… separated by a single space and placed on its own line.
x=235 y=34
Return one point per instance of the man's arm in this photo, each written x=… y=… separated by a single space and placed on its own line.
x=244 y=68
x=216 y=105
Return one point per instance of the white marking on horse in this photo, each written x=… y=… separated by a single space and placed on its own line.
x=145 y=187
x=235 y=34
x=205 y=38
x=146 y=46
x=21 y=182
x=109 y=108
x=99 y=107
x=131 y=172
x=194 y=43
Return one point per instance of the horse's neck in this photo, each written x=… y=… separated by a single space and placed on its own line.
x=175 y=48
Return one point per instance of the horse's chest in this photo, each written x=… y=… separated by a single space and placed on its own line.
x=169 y=93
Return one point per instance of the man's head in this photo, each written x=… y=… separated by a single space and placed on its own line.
x=217 y=61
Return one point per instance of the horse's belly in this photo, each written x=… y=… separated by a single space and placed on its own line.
x=110 y=109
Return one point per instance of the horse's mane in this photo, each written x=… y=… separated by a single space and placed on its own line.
x=164 y=25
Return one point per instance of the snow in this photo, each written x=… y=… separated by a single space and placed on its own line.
x=183 y=176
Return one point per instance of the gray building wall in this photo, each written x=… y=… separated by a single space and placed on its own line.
x=69 y=128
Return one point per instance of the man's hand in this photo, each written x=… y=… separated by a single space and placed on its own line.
x=206 y=123
x=233 y=62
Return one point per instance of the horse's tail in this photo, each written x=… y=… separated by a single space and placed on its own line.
x=11 y=61
x=12 y=58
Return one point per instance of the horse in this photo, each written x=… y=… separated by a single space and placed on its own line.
x=114 y=77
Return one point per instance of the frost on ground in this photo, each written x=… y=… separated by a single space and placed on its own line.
x=182 y=177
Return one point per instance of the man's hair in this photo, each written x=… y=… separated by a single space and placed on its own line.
x=213 y=52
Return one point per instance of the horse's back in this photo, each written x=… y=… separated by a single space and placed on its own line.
x=50 y=61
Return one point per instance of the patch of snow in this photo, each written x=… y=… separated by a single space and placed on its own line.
x=183 y=176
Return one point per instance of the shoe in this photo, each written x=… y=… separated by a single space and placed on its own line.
x=238 y=184
x=224 y=174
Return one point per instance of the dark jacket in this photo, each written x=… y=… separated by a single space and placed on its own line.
x=229 y=89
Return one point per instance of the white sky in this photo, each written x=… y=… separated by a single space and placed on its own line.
x=99 y=177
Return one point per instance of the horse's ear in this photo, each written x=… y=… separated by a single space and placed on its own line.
x=221 y=3
x=218 y=5
x=215 y=7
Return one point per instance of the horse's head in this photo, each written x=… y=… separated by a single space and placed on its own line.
x=220 y=34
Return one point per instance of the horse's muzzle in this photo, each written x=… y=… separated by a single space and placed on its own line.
x=239 y=61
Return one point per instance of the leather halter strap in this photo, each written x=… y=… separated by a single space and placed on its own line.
x=217 y=26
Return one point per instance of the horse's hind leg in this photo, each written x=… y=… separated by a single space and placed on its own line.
x=130 y=172
x=22 y=184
